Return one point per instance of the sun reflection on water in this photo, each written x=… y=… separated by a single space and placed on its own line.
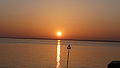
x=58 y=55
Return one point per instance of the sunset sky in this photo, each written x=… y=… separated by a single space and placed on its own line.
x=76 y=19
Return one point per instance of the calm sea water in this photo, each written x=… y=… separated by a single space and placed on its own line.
x=30 y=53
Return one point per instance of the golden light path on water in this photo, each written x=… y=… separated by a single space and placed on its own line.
x=58 y=55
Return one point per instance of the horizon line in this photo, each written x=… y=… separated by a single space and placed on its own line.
x=62 y=39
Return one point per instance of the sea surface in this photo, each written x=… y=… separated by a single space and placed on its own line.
x=32 y=53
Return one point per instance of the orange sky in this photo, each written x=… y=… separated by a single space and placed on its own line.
x=77 y=19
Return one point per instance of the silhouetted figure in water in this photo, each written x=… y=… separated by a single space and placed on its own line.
x=69 y=47
x=114 y=64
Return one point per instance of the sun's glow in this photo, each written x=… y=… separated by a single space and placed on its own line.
x=59 y=33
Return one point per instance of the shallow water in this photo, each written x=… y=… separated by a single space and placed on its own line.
x=30 y=53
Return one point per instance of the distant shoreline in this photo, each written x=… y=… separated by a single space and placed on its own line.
x=62 y=39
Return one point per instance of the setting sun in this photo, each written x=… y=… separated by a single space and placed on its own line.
x=59 y=33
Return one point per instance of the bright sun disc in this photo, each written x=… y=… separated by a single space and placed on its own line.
x=59 y=33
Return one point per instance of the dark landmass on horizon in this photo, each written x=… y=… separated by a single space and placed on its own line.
x=62 y=39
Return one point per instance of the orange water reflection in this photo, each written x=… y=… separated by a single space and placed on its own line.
x=58 y=55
